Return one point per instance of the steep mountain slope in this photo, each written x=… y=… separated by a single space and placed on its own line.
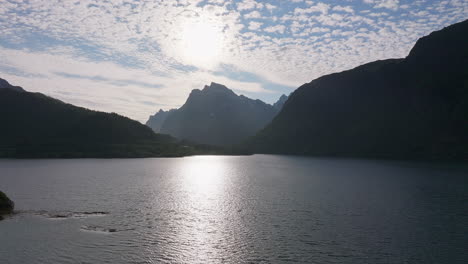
x=35 y=125
x=412 y=108
x=217 y=116
x=156 y=121
x=280 y=103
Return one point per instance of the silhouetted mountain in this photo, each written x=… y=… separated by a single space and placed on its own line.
x=412 y=108
x=279 y=104
x=5 y=85
x=35 y=125
x=156 y=121
x=217 y=116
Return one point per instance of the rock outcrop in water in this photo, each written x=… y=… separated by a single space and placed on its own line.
x=6 y=205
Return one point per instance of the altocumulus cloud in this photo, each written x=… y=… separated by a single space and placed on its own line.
x=132 y=57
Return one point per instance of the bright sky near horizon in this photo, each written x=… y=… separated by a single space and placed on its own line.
x=134 y=57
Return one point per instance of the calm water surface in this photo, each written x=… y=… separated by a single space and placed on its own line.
x=254 y=209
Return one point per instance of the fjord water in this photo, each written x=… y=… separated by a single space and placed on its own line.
x=251 y=209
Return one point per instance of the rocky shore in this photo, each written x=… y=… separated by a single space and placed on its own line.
x=6 y=205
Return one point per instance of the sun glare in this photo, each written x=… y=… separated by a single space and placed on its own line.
x=201 y=44
x=205 y=174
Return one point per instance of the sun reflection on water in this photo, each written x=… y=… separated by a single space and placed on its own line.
x=204 y=174
x=203 y=192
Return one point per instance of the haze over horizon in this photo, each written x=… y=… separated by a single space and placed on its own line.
x=135 y=57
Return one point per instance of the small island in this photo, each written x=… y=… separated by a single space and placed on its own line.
x=6 y=205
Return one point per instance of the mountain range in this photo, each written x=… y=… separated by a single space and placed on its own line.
x=411 y=108
x=35 y=125
x=216 y=116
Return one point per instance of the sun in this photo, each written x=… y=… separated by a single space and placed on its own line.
x=201 y=44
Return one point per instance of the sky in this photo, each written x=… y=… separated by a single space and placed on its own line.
x=134 y=57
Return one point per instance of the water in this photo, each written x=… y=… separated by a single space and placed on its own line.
x=253 y=209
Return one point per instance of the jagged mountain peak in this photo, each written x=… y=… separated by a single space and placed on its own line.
x=217 y=88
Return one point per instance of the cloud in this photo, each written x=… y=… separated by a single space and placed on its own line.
x=318 y=8
x=277 y=29
x=389 y=4
x=118 y=82
x=270 y=7
x=249 y=4
x=253 y=14
x=348 y=9
x=255 y=25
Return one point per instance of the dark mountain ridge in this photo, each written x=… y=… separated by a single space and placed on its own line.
x=412 y=108
x=35 y=125
x=4 y=84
